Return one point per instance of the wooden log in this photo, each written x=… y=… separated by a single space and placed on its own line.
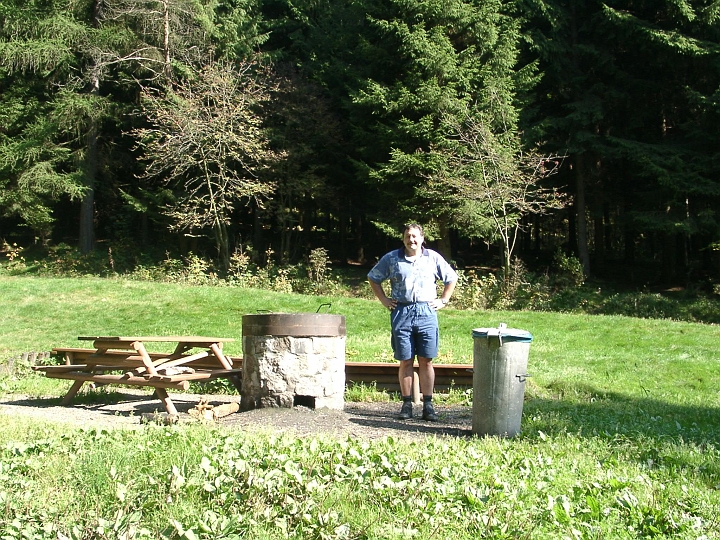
x=197 y=376
x=225 y=409
x=167 y=402
x=74 y=389
x=371 y=378
x=130 y=345
x=205 y=411
x=164 y=363
x=156 y=382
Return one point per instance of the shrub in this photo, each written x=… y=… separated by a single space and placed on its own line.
x=568 y=271
x=519 y=290
x=564 y=289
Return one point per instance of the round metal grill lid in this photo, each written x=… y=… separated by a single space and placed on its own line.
x=294 y=324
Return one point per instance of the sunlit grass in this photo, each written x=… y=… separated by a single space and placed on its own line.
x=620 y=434
x=200 y=482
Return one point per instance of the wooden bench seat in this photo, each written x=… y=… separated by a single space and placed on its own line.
x=77 y=355
x=382 y=374
x=122 y=379
x=180 y=381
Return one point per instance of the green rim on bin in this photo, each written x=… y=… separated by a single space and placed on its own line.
x=505 y=334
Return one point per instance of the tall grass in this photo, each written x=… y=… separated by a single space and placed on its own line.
x=621 y=437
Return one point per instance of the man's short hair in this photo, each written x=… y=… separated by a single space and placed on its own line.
x=414 y=226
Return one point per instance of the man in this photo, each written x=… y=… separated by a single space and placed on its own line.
x=413 y=272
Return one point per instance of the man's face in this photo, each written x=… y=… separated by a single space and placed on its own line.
x=413 y=240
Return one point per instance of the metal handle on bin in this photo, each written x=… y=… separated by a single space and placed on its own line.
x=322 y=306
x=497 y=332
x=523 y=377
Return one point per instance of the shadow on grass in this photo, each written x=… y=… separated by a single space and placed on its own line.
x=646 y=430
x=644 y=422
x=112 y=403
x=649 y=431
x=609 y=415
x=453 y=421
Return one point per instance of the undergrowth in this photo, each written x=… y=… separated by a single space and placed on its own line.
x=561 y=289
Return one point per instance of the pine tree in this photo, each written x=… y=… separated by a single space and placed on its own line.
x=433 y=59
x=625 y=88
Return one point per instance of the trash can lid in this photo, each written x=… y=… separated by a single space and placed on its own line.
x=504 y=333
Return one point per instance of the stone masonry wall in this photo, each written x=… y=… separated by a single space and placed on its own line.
x=277 y=369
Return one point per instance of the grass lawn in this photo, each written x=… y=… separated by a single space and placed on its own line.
x=621 y=434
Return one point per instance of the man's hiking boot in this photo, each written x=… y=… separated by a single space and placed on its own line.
x=406 y=411
x=429 y=412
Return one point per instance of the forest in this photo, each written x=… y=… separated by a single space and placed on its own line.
x=510 y=129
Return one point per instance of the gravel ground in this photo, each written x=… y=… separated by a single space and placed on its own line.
x=124 y=409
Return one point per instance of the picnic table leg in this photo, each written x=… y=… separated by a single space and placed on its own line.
x=220 y=356
x=167 y=402
x=147 y=361
x=71 y=393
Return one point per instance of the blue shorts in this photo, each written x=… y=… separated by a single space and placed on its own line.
x=415 y=331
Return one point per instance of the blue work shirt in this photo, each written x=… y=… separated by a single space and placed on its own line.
x=413 y=281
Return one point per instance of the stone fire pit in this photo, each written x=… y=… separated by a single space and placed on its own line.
x=293 y=359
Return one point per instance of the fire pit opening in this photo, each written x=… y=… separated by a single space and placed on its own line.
x=304 y=401
x=293 y=359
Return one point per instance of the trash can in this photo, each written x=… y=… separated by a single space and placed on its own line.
x=500 y=358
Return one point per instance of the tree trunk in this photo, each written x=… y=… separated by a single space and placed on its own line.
x=223 y=245
x=607 y=231
x=668 y=254
x=506 y=261
x=571 y=246
x=86 y=241
x=258 y=236
x=342 y=230
x=358 y=235
x=580 y=210
x=86 y=235
x=599 y=234
x=628 y=234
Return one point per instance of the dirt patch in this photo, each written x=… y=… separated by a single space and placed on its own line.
x=124 y=409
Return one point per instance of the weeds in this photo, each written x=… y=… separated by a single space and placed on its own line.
x=562 y=289
x=620 y=436
x=366 y=393
x=206 y=483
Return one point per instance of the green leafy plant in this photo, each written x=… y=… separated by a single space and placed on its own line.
x=568 y=271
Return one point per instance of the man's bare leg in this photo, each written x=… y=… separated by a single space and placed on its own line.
x=427 y=386
x=427 y=376
x=405 y=378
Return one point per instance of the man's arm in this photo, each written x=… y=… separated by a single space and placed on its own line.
x=377 y=289
x=439 y=303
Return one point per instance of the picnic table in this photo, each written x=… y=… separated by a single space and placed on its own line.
x=125 y=360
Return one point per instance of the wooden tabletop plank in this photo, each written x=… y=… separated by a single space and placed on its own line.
x=179 y=339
